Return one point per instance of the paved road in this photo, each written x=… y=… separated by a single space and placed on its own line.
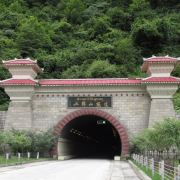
x=77 y=169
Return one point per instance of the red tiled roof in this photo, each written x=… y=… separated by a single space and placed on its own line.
x=18 y=82
x=89 y=82
x=60 y=82
x=161 y=80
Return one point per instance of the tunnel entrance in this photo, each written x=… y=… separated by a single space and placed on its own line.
x=90 y=136
x=103 y=130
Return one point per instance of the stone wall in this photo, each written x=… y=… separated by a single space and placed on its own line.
x=2 y=119
x=178 y=115
x=130 y=106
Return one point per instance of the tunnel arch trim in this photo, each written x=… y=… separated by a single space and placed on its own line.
x=83 y=112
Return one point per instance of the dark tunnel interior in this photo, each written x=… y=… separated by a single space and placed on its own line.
x=92 y=137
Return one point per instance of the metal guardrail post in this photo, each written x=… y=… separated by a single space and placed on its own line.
x=37 y=155
x=19 y=156
x=28 y=155
x=162 y=169
x=7 y=157
x=152 y=166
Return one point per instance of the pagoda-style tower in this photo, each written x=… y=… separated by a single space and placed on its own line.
x=20 y=89
x=161 y=86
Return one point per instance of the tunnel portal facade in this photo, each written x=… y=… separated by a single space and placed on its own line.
x=127 y=104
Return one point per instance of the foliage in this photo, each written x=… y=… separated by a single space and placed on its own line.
x=33 y=36
x=19 y=141
x=176 y=100
x=163 y=136
x=24 y=141
x=103 y=69
x=42 y=141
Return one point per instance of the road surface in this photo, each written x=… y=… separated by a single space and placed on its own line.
x=75 y=169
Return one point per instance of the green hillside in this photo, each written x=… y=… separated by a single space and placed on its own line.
x=88 y=38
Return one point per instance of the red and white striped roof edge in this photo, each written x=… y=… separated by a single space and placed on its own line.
x=13 y=81
x=22 y=62
x=170 y=79
x=89 y=82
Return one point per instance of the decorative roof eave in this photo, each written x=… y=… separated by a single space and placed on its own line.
x=93 y=82
x=161 y=80
x=144 y=67
x=16 y=60
x=22 y=62
x=165 y=82
x=158 y=60
x=18 y=82
x=88 y=82
x=70 y=85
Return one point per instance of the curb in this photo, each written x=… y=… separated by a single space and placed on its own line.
x=140 y=173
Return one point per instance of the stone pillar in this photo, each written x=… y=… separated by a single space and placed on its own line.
x=161 y=101
x=19 y=114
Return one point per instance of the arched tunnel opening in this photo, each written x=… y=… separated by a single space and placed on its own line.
x=89 y=136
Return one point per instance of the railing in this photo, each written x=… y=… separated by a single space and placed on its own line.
x=20 y=158
x=166 y=172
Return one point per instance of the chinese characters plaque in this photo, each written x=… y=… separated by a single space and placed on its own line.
x=89 y=102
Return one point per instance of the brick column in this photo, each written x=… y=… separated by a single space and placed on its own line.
x=161 y=101
x=19 y=114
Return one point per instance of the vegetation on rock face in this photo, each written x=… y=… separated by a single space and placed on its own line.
x=72 y=38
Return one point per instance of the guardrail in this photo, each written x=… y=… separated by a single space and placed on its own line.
x=166 y=171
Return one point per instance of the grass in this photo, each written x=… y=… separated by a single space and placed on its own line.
x=15 y=161
x=148 y=172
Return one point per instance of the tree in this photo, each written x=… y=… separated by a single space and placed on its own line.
x=32 y=37
x=163 y=136
x=42 y=141
x=120 y=19
x=73 y=72
x=74 y=10
x=102 y=69
x=176 y=101
x=20 y=141
x=5 y=140
x=165 y=3
x=126 y=54
x=146 y=35
x=98 y=26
